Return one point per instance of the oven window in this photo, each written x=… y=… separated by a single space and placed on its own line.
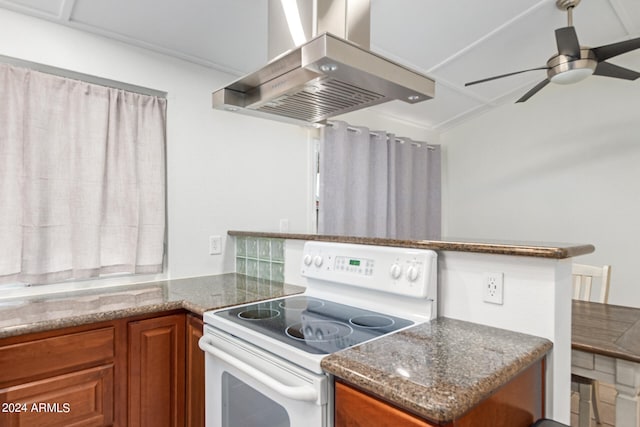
x=244 y=406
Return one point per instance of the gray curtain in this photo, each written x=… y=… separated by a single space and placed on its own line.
x=82 y=179
x=375 y=184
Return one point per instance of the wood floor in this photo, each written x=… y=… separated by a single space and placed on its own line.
x=607 y=407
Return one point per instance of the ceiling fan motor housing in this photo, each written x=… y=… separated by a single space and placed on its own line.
x=559 y=64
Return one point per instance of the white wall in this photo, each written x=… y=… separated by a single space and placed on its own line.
x=225 y=171
x=562 y=167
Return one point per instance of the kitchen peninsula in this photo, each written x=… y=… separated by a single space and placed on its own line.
x=89 y=325
x=536 y=299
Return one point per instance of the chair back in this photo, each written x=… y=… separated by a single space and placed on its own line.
x=583 y=281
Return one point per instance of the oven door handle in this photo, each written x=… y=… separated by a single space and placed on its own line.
x=304 y=393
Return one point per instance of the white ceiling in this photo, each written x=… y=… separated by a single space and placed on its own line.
x=452 y=41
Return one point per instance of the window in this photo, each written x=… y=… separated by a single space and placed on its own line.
x=374 y=184
x=82 y=179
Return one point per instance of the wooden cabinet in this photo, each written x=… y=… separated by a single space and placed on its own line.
x=157 y=371
x=357 y=409
x=77 y=398
x=135 y=372
x=195 y=374
x=516 y=404
x=59 y=379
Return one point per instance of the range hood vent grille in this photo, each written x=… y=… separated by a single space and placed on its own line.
x=315 y=102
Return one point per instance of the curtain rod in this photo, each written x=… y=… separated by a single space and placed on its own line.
x=88 y=78
x=397 y=139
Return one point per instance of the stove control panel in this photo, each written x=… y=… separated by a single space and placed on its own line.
x=404 y=271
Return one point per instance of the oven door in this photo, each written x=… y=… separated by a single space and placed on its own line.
x=247 y=386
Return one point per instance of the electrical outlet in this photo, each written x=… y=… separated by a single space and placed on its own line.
x=215 y=245
x=493 y=288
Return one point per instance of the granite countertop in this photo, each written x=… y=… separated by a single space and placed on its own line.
x=39 y=313
x=496 y=247
x=438 y=370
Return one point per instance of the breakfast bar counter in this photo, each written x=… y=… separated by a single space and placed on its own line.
x=551 y=250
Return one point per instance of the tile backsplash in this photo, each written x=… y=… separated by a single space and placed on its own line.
x=260 y=257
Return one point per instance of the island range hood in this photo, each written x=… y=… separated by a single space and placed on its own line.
x=326 y=76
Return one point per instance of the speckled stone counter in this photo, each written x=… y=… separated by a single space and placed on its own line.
x=53 y=311
x=531 y=249
x=438 y=370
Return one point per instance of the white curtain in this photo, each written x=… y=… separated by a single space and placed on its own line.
x=82 y=179
x=374 y=184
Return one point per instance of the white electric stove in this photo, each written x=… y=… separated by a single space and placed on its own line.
x=263 y=359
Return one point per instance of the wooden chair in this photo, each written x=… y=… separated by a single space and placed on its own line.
x=583 y=276
x=583 y=283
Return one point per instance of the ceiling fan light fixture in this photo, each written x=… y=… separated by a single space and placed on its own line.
x=565 y=70
x=571 y=76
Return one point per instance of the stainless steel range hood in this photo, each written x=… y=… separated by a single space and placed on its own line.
x=326 y=76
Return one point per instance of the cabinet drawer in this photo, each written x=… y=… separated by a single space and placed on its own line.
x=54 y=355
x=83 y=398
x=356 y=409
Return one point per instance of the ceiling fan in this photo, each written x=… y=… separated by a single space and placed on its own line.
x=573 y=62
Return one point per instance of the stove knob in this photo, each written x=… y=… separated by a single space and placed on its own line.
x=307 y=260
x=317 y=260
x=395 y=271
x=413 y=273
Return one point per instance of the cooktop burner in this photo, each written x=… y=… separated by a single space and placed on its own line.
x=313 y=325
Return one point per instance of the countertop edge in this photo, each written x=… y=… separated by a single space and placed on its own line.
x=87 y=319
x=531 y=250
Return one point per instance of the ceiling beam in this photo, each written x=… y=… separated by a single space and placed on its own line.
x=513 y=21
x=624 y=17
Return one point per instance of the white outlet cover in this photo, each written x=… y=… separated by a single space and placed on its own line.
x=493 y=291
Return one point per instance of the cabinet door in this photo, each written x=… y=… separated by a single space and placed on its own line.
x=157 y=371
x=82 y=398
x=195 y=374
x=356 y=409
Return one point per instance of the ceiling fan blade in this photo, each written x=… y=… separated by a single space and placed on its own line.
x=504 y=75
x=533 y=91
x=610 y=70
x=567 y=41
x=609 y=51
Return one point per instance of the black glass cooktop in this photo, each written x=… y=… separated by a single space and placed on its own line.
x=313 y=325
